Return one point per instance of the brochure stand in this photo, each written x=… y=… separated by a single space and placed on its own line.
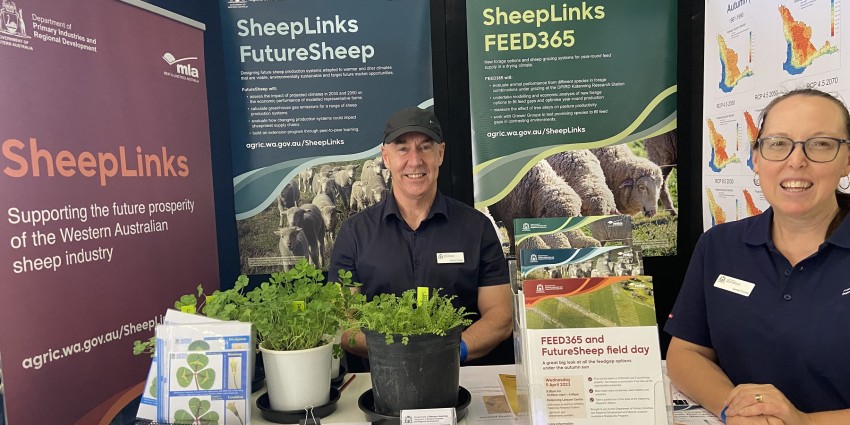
x=587 y=347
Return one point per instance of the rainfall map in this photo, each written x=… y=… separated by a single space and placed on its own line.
x=755 y=51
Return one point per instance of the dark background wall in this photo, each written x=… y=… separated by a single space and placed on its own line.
x=451 y=93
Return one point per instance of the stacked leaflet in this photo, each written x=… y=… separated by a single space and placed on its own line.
x=147 y=406
x=588 y=350
x=203 y=372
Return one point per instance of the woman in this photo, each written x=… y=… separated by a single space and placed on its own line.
x=761 y=328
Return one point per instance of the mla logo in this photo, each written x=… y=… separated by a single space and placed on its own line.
x=539 y=288
x=182 y=68
x=533 y=258
x=525 y=227
x=12 y=20
x=237 y=4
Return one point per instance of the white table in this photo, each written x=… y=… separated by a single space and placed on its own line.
x=476 y=379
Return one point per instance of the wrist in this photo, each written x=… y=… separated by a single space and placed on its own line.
x=464 y=351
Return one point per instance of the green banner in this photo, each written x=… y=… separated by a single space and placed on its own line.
x=560 y=81
x=551 y=76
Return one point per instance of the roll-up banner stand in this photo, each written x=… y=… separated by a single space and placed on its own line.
x=310 y=85
x=107 y=201
x=576 y=102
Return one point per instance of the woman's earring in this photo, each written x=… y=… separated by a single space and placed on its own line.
x=844 y=186
x=757 y=181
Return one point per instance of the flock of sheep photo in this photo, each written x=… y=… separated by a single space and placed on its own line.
x=310 y=208
x=611 y=180
x=601 y=181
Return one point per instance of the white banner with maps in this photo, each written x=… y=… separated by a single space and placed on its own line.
x=754 y=52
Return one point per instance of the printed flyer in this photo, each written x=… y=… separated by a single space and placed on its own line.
x=618 y=260
x=590 y=352
x=203 y=372
x=573 y=232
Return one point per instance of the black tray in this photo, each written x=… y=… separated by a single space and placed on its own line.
x=366 y=402
x=293 y=416
x=259 y=379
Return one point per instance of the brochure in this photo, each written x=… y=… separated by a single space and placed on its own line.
x=572 y=232
x=147 y=406
x=590 y=351
x=579 y=262
x=203 y=372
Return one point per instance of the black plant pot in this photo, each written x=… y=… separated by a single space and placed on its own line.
x=420 y=375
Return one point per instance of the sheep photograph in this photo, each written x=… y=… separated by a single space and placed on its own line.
x=636 y=179
x=306 y=218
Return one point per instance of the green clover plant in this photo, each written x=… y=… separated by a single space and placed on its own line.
x=297 y=309
x=292 y=310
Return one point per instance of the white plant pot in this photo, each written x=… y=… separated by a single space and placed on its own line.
x=300 y=378
x=334 y=360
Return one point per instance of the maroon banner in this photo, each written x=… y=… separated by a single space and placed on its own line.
x=107 y=204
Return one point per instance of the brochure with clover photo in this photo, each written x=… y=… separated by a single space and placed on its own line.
x=203 y=372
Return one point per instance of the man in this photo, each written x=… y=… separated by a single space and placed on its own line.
x=418 y=237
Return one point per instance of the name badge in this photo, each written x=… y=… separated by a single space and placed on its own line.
x=449 y=258
x=738 y=286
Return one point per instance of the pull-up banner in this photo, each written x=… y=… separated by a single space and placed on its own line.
x=547 y=78
x=310 y=85
x=107 y=204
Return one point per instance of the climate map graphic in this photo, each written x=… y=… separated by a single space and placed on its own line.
x=718 y=216
x=719 y=158
x=801 y=52
x=730 y=74
x=752 y=209
x=752 y=135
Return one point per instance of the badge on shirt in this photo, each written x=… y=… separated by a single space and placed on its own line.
x=449 y=258
x=738 y=286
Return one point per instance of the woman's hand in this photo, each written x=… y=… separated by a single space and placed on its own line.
x=755 y=400
x=753 y=420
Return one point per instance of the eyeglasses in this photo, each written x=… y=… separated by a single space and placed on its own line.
x=816 y=149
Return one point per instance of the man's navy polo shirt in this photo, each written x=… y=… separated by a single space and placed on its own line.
x=792 y=331
x=384 y=254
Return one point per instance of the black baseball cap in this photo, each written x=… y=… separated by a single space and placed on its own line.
x=413 y=119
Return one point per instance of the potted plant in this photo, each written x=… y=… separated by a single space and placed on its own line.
x=222 y=305
x=297 y=315
x=413 y=342
x=293 y=313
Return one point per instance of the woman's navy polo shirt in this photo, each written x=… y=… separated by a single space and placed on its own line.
x=792 y=331
x=384 y=254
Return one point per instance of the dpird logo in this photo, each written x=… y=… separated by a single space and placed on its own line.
x=12 y=20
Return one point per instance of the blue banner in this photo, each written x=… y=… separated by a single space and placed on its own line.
x=310 y=85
